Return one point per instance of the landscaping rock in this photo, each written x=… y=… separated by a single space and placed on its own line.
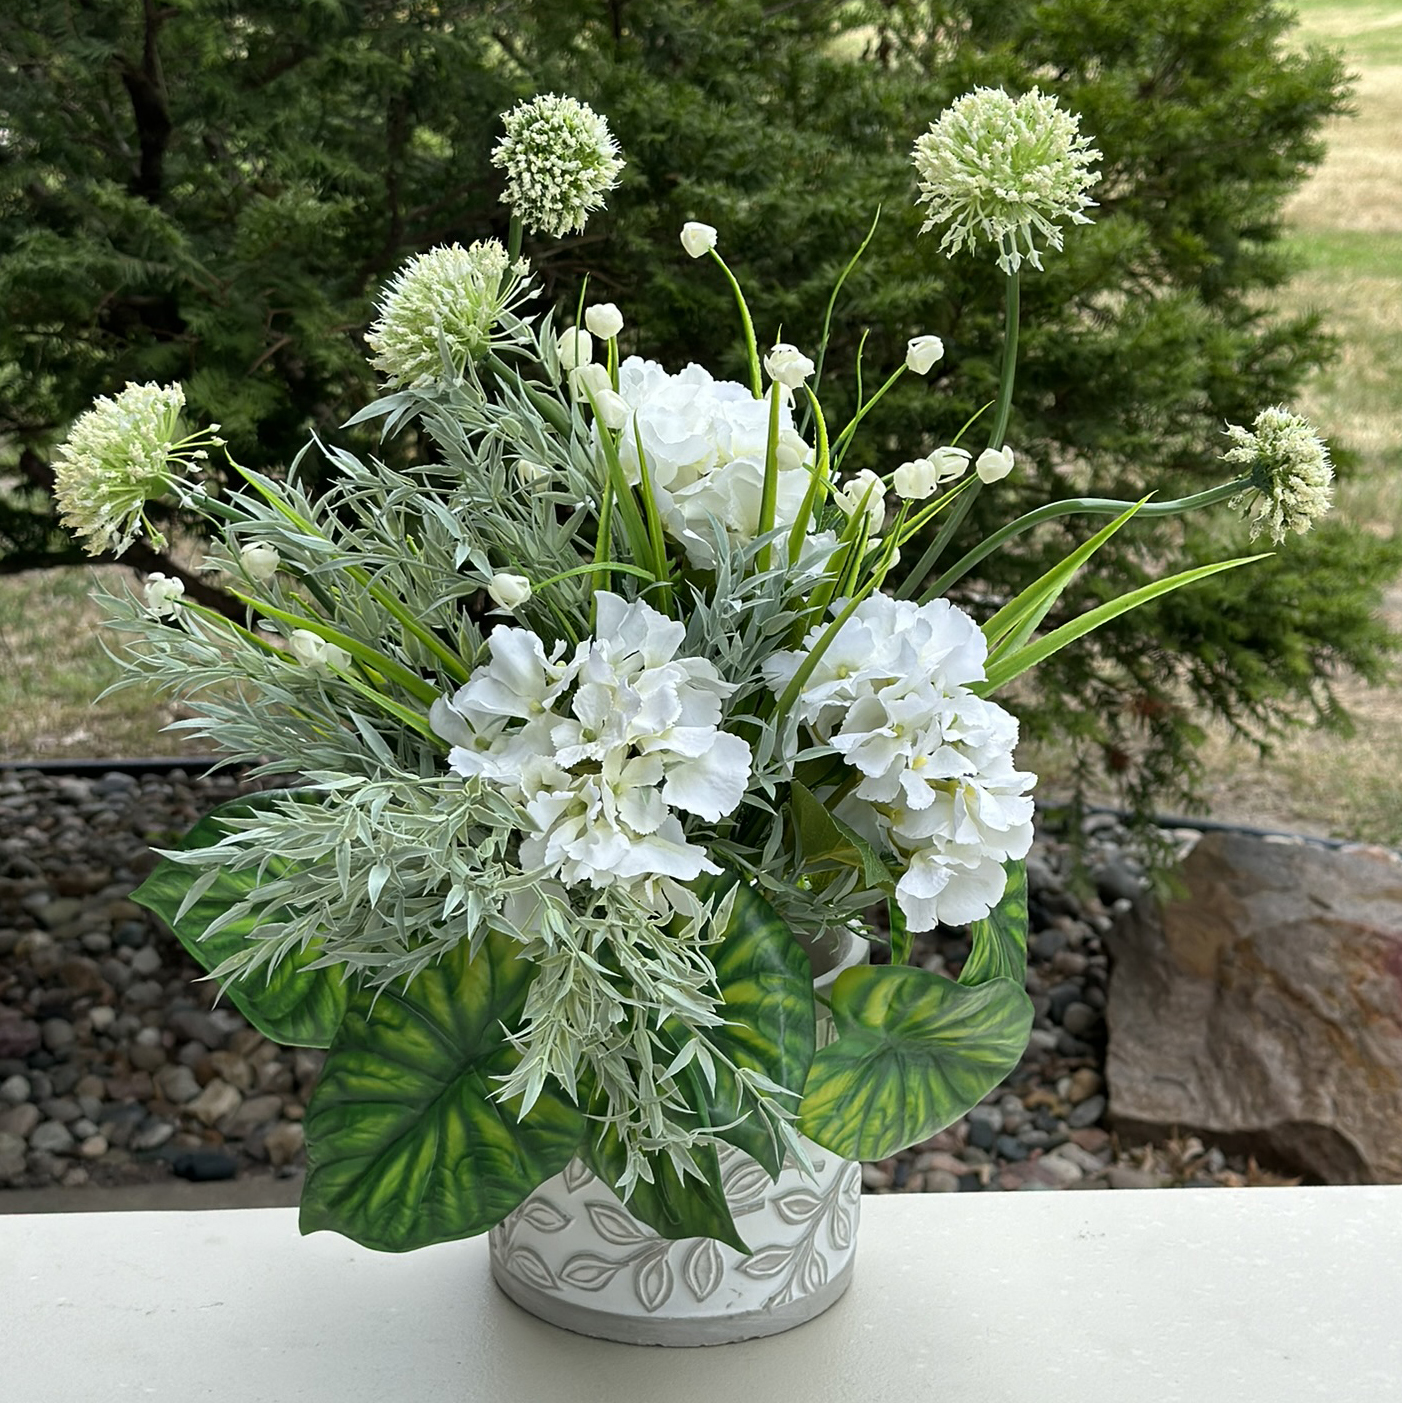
x=1265 y=1008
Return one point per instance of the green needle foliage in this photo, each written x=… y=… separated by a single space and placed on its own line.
x=212 y=193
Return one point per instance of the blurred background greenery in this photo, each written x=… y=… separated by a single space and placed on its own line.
x=212 y=192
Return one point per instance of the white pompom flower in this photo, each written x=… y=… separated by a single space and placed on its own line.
x=1006 y=170
x=560 y=161
x=122 y=453
x=1292 y=479
x=442 y=311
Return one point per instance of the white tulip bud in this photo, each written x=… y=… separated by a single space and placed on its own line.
x=788 y=365
x=916 y=480
x=994 y=464
x=575 y=347
x=604 y=320
x=592 y=379
x=260 y=562
x=613 y=409
x=698 y=238
x=950 y=463
x=509 y=591
x=528 y=472
x=863 y=486
x=922 y=352
x=311 y=650
x=163 y=595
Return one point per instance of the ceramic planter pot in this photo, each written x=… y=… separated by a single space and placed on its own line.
x=572 y=1254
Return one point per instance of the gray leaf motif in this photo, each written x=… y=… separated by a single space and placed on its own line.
x=796 y=1206
x=652 y=1278
x=840 y=1227
x=587 y=1271
x=530 y=1267
x=815 y=1271
x=614 y=1225
x=543 y=1216
x=745 y=1186
x=703 y=1268
x=576 y=1175
x=769 y=1261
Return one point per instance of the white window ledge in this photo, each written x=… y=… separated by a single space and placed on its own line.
x=1190 y=1296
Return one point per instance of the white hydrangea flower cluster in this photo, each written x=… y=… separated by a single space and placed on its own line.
x=704 y=441
x=560 y=159
x=1006 y=170
x=122 y=453
x=1292 y=479
x=450 y=298
x=602 y=749
x=938 y=787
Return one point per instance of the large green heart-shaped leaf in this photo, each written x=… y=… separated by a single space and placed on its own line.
x=766 y=982
x=289 y=1002
x=406 y=1144
x=1000 y=939
x=671 y=1206
x=914 y=1051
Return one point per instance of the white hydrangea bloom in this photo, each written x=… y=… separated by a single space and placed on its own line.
x=616 y=741
x=450 y=299
x=1005 y=170
x=1292 y=479
x=704 y=441
x=938 y=787
x=122 y=453
x=560 y=160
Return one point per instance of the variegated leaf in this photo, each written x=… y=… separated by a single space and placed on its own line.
x=914 y=1051
x=407 y=1143
x=999 y=948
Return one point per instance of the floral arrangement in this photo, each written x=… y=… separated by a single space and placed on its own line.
x=607 y=716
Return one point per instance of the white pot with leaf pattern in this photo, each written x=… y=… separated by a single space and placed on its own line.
x=574 y=1255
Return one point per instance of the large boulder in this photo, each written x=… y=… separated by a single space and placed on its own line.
x=1264 y=1008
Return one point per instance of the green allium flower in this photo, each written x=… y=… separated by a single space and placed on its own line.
x=1292 y=480
x=121 y=454
x=1004 y=170
x=446 y=300
x=559 y=157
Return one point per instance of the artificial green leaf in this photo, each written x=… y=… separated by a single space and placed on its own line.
x=671 y=1206
x=1000 y=939
x=902 y=941
x=828 y=842
x=288 y=1002
x=1013 y=665
x=406 y=1142
x=766 y=983
x=914 y=1051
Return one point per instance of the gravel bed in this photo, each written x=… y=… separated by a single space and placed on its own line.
x=118 y=1067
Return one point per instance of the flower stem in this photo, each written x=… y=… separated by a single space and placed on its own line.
x=751 y=347
x=1077 y=506
x=769 y=493
x=927 y=562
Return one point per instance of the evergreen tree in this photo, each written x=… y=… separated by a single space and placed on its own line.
x=212 y=192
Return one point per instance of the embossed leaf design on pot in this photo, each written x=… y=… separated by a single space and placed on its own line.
x=768 y=1261
x=590 y=1272
x=796 y=1206
x=576 y=1175
x=745 y=1184
x=530 y=1266
x=703 y=1268
x=614 y=1225
x=840 y=1225
x=815 y=1272
x=652 y=1278
x=543 y=1216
